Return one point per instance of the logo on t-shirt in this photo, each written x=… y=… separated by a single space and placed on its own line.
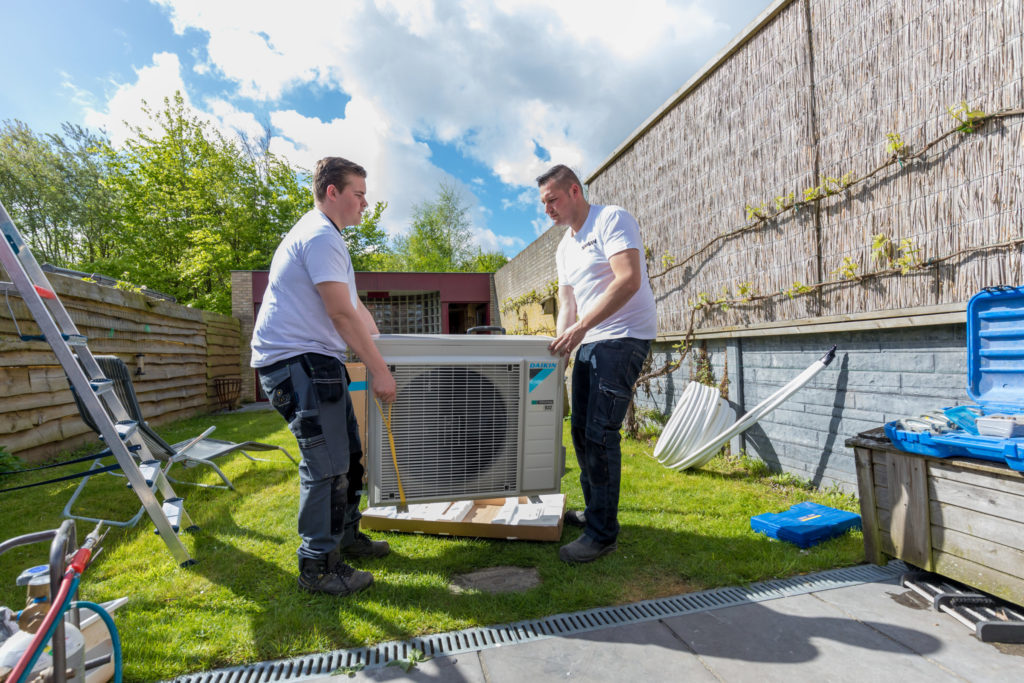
x=589 y=243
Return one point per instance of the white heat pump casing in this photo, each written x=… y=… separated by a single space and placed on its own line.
x=477 y=416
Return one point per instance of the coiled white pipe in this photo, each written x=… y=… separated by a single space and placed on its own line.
x=704 y=413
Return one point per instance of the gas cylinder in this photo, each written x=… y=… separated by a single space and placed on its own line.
x=74 y=643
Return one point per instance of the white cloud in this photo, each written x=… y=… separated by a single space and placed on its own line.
x=493 y=80
x=523 y=200
x=575 y=76
x=489 y=241
x=153 y=83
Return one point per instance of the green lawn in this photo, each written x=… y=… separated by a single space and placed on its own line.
x=240 y=604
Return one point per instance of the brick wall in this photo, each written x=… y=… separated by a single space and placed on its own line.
x=242 y=309
x=532 y=269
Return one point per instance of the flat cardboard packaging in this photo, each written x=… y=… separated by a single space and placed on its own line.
x=478 y=522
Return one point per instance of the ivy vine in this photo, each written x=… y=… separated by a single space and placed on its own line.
x=515 y=305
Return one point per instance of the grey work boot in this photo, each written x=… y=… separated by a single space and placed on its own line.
x=364 y=546
x=575 y=518
x=328 y=574
x=584 y=550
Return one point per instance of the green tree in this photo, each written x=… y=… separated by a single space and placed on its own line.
x=368 y=242
x=196 y=205
x=486 y=262
x=32 y=190
x=178 y=208
x=441 y=238
x=86 y=160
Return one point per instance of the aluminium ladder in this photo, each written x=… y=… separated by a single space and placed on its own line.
x=145 y=475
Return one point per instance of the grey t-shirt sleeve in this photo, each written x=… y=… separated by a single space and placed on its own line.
x=326 y=259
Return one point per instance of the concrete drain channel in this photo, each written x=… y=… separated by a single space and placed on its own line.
x=476 y=639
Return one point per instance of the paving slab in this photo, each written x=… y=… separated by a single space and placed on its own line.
x=902 y=614
x=804 y=638
x=647 y=651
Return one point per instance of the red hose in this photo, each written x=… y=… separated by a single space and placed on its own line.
x=56 y=610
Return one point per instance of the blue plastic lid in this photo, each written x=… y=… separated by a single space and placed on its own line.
x=995 y=348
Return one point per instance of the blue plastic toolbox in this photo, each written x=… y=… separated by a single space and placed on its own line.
x=995 y=381
x=805 y=524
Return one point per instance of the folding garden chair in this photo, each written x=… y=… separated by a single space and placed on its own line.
x=200 y=450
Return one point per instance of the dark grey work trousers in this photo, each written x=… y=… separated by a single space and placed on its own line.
x=311 y=392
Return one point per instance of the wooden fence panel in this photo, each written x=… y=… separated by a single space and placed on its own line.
x=180 y=351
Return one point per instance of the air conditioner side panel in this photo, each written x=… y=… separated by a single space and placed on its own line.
x=543 y=457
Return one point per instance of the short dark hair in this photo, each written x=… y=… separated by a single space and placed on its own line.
x=561 y=175
x=334 y=171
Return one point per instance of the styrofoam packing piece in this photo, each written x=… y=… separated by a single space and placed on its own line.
x=457 y=511
x=507 y=513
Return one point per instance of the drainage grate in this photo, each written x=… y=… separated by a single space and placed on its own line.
x=474 y=639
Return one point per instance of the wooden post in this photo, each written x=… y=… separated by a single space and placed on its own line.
x=910 y=525
x=868 y=509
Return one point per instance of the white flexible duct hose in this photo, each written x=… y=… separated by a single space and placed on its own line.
x=707 y=451
x=696 y=401
x=687 y=426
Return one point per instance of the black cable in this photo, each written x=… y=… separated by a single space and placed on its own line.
x=98 y=470
x=84 y=458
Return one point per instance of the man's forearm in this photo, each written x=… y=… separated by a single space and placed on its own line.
x=566 y=317
x=619 y=292
x=353 y=330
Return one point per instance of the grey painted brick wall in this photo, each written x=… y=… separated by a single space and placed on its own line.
x=877 y=376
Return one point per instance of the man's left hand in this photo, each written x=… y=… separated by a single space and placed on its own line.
x=568 y=340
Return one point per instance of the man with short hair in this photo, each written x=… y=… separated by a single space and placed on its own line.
x=309 y=317
x=607 y=309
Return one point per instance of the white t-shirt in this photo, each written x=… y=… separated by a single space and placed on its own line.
x=292 y=318
x=583 y=265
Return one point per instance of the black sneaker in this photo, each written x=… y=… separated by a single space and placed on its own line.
x=364 y=546
x=575 y=518
x=324 y=575
x=584 y=550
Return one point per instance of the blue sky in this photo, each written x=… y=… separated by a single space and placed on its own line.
x=483 y=95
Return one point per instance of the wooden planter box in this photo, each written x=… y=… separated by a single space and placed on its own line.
x=958 y=517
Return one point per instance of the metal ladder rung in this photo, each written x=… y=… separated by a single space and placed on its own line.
x=150 y=471
x=101 y=386
x=173 y=507
x=126 y=429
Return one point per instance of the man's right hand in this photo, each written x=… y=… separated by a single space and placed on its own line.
x=384 y=387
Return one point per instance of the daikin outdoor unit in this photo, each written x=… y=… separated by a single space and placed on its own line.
x=476 y=417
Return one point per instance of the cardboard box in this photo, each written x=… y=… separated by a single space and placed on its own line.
x=508 y=518
x=359 y=393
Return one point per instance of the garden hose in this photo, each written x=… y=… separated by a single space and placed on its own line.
x=115 y=640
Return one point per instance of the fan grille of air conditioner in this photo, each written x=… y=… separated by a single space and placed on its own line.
x=456 y=431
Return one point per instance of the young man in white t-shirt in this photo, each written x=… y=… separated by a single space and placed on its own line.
x=607 y=309
x=309 y=317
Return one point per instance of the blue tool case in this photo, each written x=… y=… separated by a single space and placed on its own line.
x=805 y=524
x=995 y=381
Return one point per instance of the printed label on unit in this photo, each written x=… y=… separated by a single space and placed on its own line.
x=543 y=405
x=539 y=372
